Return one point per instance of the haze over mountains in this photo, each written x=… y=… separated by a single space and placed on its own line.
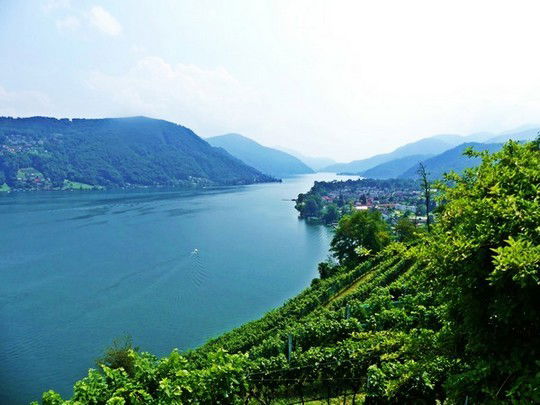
x=267 y=160
x=49 y=153
x=403 y=161
x=394 y=168
x=424 y=146
x=315 y=162
x=452 y=159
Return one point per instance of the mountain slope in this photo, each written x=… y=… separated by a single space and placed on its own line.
x=267 y=160
x=42 y=152
x=452 y=159
x=434 y=145
x=426 y=146
x=315 y=162
x=394 y=168
x=524 y=134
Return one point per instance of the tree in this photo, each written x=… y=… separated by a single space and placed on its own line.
x=426 y=191
x=483 y=259
x=331 y=214
x=357 y=232
x=340 y=200
x=405 y=230
x=311 y=206
x=362 y=199
x=327 y=268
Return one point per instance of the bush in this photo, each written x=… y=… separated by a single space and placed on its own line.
x=119 y=355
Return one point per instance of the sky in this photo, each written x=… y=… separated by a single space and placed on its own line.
x=343 y=79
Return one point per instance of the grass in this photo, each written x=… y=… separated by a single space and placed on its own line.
x=351 y=287
x=74 y=185
x=28 y=172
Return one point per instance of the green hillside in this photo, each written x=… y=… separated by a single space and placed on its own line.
x=48 y=153
x=449 y=316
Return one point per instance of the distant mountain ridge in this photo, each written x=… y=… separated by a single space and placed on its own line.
x=394 y=168
x=422 y=147
x=41 y=152
x=451 y=160
x=434 y=145
x=314 y=162
x=527 y=134
x=267 y=160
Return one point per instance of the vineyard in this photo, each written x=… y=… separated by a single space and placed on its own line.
x=451 y=316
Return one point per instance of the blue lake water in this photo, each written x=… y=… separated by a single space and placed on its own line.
x=78 y=269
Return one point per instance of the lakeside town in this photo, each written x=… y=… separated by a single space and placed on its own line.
x=394 y=198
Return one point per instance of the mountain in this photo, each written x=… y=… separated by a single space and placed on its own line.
x=267 y=160
x=426 y=146
x=459 y=139
x=393 y=168
x=315 y=162
x=41 y=152
x=522 y=134
x=434 y=145
x=452 y=159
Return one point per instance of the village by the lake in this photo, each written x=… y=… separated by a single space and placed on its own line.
x=393 y=198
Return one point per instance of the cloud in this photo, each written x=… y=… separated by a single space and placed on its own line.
x=68 y=23
x=104 y=21
x=207 y=100
x=24 y=103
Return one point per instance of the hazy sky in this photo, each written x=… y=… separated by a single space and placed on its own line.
x=345 y=79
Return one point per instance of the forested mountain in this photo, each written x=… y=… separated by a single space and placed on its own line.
x=394 y=168
x=267 y=160
x=426 y=146
x=447 y=314
x=47 y=153
x=452 y=159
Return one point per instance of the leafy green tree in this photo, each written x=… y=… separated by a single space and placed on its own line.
x=51 y=398
x=330 y=214
x=327 y=269
x=311 y=206
x=357 y=234
x=484 y=259
x=405 y=230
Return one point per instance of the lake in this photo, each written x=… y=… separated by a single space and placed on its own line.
x=170 y=268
